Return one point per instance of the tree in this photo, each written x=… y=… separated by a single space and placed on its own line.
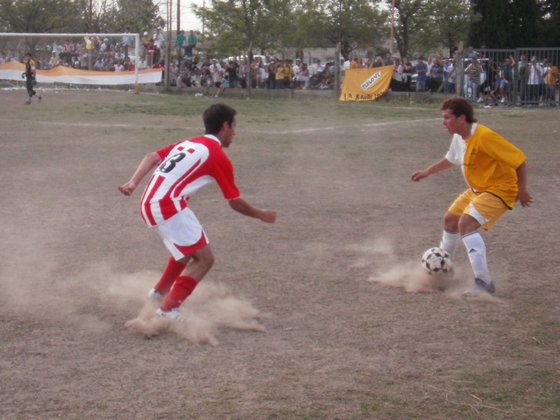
x=550 y=27
x=42 y=16
x=138 y=15
x=38 y=16
x=234 y=26
x=409 y=23
x=449 y=22
x=286 y=25
x=354 y=24
x=523 y=24
x=492 y=27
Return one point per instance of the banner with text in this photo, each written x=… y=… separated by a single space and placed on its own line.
x=366 y=84
x=13 y=70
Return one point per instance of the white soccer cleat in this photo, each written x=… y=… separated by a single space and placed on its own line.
x=172 y=315
x=155 y=296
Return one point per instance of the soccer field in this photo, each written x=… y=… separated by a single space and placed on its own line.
x=323 y=315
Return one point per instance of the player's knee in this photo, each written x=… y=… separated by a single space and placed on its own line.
x=451 y=222
x=207 y=259
x=468 y=224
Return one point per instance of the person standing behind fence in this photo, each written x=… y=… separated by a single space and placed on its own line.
x=146 y=41
x=422 y=72
x=217 y=73
x=450 y=79
x=288 y=74
x=30 y=69
x=280 y=75
x=271 y=69
x=473 y=72
x=435 y=76
x=407 y=74
x=396 y=81
x=523 y=71
x=231 y=70
x=159 y=39
x=534 y=81
x=551 y=78
x=506 y=76
x=127 y=42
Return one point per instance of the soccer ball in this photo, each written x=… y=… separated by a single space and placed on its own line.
x=436 y=261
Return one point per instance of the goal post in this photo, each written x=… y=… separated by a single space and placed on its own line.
x=19 y=48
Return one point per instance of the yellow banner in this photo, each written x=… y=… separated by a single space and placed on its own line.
x=366 y=84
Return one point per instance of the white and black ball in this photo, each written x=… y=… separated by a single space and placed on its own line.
x=437 y=261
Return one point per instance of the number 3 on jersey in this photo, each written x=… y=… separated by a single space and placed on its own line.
x=169 y=164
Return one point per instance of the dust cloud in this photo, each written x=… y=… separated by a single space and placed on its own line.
x=36 y=285
x=210 y=307
x=391 y=269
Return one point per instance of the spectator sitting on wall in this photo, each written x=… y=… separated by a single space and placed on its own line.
x=191 y=44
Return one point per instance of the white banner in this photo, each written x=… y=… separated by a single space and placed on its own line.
x=13 y=70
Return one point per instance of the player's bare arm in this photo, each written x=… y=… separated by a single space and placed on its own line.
x=523 y=196
x=148 y=163
x=242 y=206
x=436 y=167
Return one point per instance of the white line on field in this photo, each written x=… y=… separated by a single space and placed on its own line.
x=294 y=131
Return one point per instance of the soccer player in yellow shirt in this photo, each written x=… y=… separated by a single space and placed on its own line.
x=30 y=74
x=496 y=174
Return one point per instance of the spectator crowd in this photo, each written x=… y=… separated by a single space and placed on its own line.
x=485 y=80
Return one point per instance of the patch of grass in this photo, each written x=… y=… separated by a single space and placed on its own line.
x=297 y=413
x=503 y=388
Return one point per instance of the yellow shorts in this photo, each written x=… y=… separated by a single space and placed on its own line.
x=486 y=208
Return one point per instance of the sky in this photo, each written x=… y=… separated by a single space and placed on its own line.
x=188 y=19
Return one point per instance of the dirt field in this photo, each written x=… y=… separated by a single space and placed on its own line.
x=323 y=315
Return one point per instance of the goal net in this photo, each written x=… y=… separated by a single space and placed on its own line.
x=106 y=59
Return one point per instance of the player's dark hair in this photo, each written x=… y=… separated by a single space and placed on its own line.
x=459 y=106
x=215 y=117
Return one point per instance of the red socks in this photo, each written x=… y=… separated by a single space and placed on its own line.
x=172 y=271
x=182 y=289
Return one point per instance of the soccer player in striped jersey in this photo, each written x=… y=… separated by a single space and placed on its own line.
x=182 y=169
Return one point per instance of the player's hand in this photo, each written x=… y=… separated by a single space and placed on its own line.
x=128 y=188
x=268 y=216
x=525 y=198
x=418 y=175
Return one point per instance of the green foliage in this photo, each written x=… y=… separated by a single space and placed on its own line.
x=43 y=15
x=354 y=24
x=424 y=25
x=524 y=24
x=138 y=15
x=491 y=29
x=287 y=25
x=51 y=16
x=507 y=24
x=234 y=26
x=449 y=23
x=549 y=35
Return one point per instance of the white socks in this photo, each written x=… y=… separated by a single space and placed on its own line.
x=477 y=255
x=449 y=242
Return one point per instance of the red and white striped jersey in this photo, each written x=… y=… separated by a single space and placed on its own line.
x=186 y=167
